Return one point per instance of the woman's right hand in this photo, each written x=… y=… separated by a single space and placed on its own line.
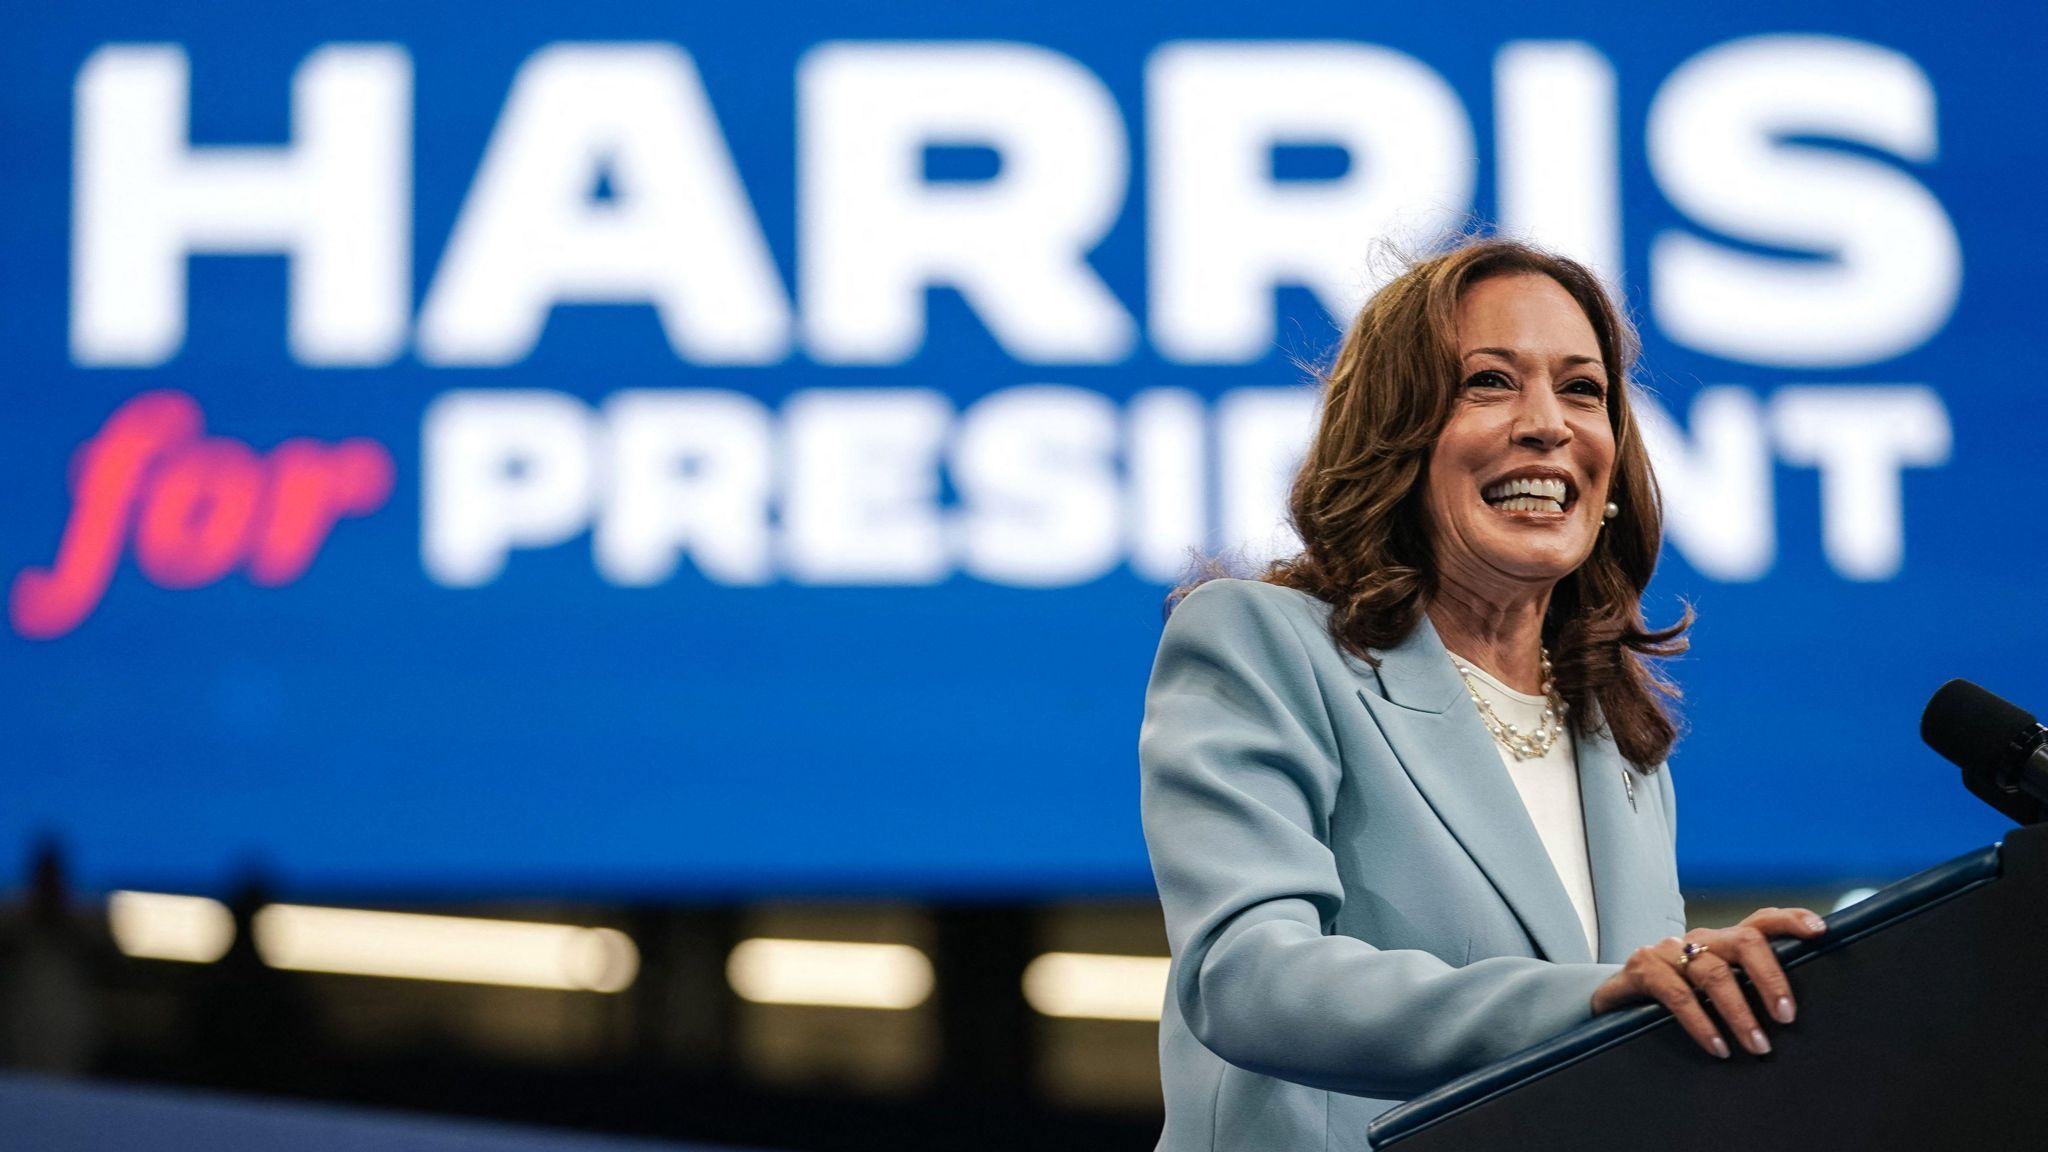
x=1663 y=974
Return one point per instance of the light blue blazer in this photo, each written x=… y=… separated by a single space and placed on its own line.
x=1358 y=904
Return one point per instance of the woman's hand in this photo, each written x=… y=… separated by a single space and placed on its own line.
x=1661 y=973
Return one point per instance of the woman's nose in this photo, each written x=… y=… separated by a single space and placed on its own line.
x=1539 y=419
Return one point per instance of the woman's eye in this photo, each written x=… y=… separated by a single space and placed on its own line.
x=1488 y=379
x=1592 y=388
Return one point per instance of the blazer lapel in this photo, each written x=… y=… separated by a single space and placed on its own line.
x=1436 y=734
x=1624 y=845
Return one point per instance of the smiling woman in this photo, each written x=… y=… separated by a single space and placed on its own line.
x=1493 y=363
x=1405 y=796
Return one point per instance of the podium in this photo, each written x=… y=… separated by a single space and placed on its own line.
x=1923 y=1024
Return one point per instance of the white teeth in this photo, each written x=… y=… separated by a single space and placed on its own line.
x=1528 y=504
x=1528 y=486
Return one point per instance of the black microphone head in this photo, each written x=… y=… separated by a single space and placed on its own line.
x=1973 y=729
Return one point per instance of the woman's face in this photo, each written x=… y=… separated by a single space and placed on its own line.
x=1519 y=476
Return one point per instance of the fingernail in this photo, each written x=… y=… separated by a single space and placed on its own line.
x=1783 y=1010
x=1720 y=1048
x=1759 y=1043
x=1816 y=924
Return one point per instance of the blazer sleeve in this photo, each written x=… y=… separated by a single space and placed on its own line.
x=1239 y=775
x=1669 y=794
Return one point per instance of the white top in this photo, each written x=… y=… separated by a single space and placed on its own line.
x=1550 y=791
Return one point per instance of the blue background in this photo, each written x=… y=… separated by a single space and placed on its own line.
x=365 y=731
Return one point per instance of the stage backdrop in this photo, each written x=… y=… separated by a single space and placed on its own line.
x=695 y=449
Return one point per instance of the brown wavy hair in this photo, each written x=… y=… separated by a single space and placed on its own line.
x=1357 y=502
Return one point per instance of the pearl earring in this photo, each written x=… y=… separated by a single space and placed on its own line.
x=1611 y=511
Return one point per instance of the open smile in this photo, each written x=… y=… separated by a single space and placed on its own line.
x=1537 y=491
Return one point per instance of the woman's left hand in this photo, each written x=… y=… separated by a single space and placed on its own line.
x=1748 y=946
x=1663 y=973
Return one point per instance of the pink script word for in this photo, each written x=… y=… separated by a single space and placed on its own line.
x=196 y=507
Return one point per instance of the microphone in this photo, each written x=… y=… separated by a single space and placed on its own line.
x=2001 y=748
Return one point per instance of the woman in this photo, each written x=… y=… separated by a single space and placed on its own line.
x=1405 y=797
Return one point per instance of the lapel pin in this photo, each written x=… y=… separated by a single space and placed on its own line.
x=1629 y=782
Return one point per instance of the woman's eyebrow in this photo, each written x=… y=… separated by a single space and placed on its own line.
x=1510 y=354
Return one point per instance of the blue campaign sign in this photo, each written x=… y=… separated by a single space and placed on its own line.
x=702 y=450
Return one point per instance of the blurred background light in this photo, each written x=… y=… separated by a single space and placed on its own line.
x=413 y=946
x=828 y=973
x=1089 y=986
x=160 y=926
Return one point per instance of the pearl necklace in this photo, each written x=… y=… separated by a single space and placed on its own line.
x=1521 y=745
